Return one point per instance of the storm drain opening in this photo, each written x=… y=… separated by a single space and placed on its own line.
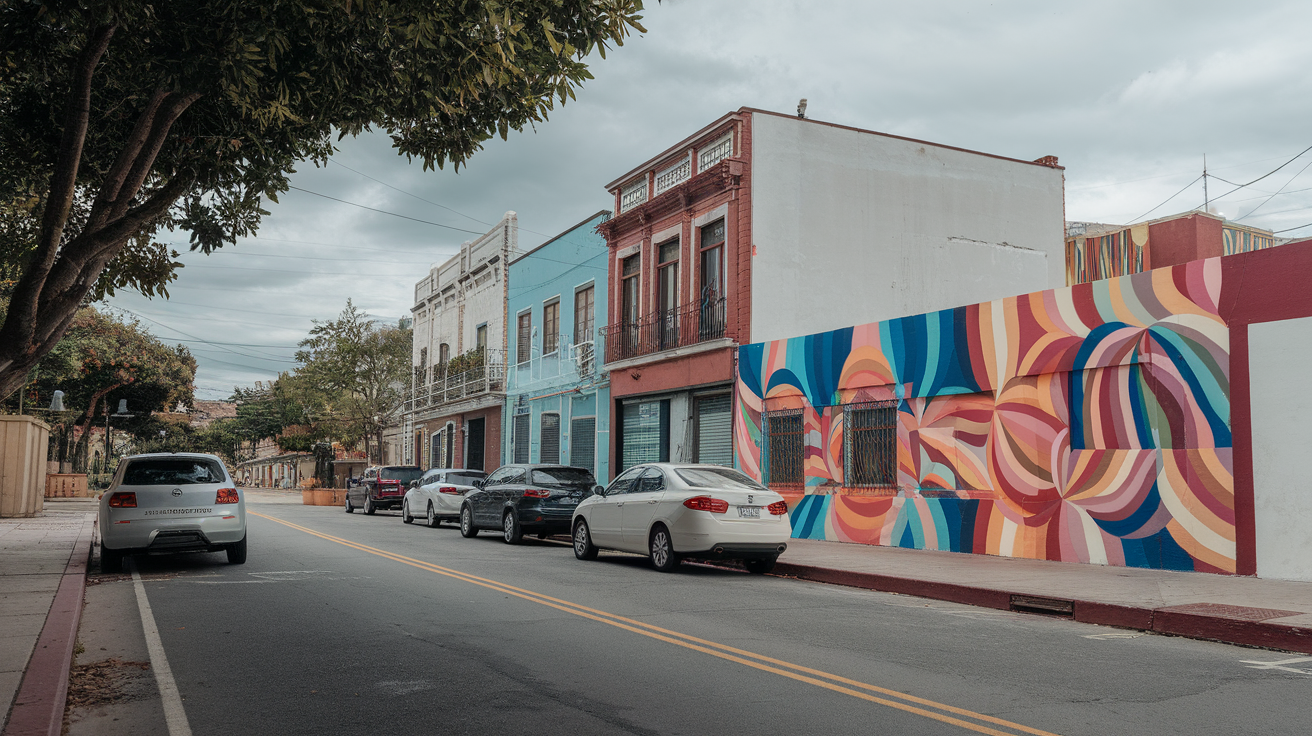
x=1045 y=606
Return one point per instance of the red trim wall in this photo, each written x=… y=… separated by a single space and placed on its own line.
x=1262 y=286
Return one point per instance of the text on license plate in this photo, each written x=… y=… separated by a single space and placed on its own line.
x=749 y=512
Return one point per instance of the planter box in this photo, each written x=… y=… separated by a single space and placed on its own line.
x=323 y=496
x=66 y=485
x=22 y=465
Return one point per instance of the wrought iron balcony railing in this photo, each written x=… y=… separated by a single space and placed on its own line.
x=692 y=323
x=488 y=377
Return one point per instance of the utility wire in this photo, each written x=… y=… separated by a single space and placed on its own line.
x=410 y=194
x=1281 y=189
x=1237 y=187
x=1168 y=199
x=385 y=212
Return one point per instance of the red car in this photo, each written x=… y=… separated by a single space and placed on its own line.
x=381 y=488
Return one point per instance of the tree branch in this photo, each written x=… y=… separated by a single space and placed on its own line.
x=118 y=173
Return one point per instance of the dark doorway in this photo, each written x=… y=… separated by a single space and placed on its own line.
x=474 y=445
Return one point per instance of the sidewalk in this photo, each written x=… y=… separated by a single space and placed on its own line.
x=1275 y=614
x=43 y=563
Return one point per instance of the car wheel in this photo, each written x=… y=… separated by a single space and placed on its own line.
x=369 y=506
x=663 y=556
x=511 y=530
x=433 y=521
x=349 y=508
x=584 y=549
x=759 y=567
x=406 y=518
x=467 y=528
x=237 y=553
x=110 y=560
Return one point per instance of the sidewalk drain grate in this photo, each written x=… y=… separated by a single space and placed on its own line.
x=1222 y=610
x=1039 y=604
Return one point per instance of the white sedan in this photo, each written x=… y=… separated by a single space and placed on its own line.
x=437 y=495
x=672 y=511
x=169 y=503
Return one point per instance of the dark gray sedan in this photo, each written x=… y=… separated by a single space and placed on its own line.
x=519 y=499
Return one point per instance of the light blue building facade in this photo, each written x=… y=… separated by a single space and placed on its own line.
x=557 y=395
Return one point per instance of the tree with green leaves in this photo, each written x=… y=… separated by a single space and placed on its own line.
x=355 y=372
x=126 y=117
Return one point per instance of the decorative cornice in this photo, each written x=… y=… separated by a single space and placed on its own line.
x=721 y=177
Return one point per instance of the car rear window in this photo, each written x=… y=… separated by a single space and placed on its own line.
x=559 y=476
x=464 y=479
x=723 y=478
x=172 y=472
x=405 y=475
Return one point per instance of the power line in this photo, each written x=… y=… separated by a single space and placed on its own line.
x=1300 y=227
x=1237 y=187
x=1168 y=199
x=1281 y=189
x=385 y=212
x=410 y=194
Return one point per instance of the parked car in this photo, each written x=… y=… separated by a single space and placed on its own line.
x=672 y=511
x=437 y=496
x=526 y=498
x=170 y=503
x=381 y=488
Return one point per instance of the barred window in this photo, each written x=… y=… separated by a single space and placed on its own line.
x=786 y=447
x=870 y=430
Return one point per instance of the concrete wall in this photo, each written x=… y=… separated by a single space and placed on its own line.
x=887 y=227
x=450 y=307
x=1279 y=356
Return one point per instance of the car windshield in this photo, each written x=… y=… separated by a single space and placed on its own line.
x=722 y=478
x=563 y=476
x=465 y=479
x=405 y=475
x=172 y=472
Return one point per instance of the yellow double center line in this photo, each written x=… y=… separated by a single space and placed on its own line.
x=837 y=683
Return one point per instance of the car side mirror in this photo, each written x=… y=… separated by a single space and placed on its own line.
x=413 y=484
x=480 y=483
x=599 y=490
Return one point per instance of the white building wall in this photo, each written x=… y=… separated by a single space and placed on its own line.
x=463 y=292
x=1279 y=354
x=852 y=227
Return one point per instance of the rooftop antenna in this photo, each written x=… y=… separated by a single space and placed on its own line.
x=801 y=108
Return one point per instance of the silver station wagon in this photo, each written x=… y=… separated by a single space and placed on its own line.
x=169 y=503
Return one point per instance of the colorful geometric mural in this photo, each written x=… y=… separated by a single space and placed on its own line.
x=1088 y=424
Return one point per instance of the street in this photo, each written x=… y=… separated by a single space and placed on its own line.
x=345 y=624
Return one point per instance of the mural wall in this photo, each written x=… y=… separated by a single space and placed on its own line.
x=1085 y=424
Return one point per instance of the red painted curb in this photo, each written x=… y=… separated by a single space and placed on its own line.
x=1233 y=631
x=1160 y=620
x=39 y=706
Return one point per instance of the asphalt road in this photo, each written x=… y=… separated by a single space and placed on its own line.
x=354 y=624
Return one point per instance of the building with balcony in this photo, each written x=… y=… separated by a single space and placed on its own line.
x=557 y=394
x=756 y=226
x=451 y=416
x=1097 y=251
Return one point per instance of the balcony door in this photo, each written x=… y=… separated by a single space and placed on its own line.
x=711 y=307
x=631 y=271
x=667 y=298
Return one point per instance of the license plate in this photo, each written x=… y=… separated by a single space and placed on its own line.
x=568 y=501
x=749 y=512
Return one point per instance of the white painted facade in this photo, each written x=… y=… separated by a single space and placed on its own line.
x=851 y=226
x=1279 y=354
x=464 y=293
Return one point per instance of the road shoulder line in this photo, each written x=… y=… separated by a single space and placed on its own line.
x=174 y=714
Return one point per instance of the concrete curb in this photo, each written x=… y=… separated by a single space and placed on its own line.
x=39 y=706
x=1170 y=620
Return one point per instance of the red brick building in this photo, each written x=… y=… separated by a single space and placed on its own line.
x=728 y=236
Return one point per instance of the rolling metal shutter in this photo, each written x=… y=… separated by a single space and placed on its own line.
x=550 y=450
x=643 y=435
x=583 y=443
x=521 y=438
x=715 y=430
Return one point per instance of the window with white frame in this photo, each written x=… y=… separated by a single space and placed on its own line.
x=633 y=195
x=674 y=175
x=714 y=153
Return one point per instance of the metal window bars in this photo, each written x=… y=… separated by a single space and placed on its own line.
x=870 y=444
x=487 y=376
x=785 y=448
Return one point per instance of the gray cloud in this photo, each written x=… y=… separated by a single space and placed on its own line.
x=1129 y=96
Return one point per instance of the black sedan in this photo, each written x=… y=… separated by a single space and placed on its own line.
x=519 y=499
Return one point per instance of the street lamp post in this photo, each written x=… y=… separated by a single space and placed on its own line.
x=122 y=413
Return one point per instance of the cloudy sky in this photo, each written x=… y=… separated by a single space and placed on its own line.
x=1129 y=95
